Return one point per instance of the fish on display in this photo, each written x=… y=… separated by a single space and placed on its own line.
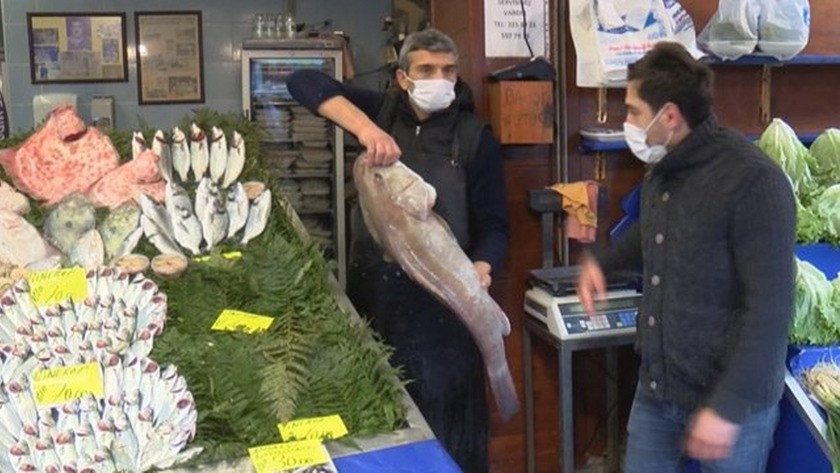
x=235 y=160
x=257 y=217
x=161 y=148
x=186 y=227
x=89 y=250
x=180 y=154
x=119 y=230
x=199 y=154
x=397 y=205
x=204 y=194
x=68 y=221
x=218 y=154
x=138 y=144
x=214 y=222
x=237 y=209
x=12 y=200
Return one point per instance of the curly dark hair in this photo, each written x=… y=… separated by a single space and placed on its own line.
x=668 y=73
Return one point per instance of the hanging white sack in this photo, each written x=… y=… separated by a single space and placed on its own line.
x=732 y=31
x=783 y=27
x=608 y=35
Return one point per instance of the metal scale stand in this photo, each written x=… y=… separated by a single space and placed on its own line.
x=554 y=315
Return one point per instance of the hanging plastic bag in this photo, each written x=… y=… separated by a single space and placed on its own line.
x=783 y=28
x=610 y=34
x=732 y=31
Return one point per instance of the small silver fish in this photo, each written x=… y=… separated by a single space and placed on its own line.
x=237 y=208
x=218 y=154
x=89 y=250
x=214 y=222
x=186 y=227
x=161 y=148
x=138 y=144
x=180 y=154
x=257 y=217
x=199 y=153
x=235 y=160
x=204 y=195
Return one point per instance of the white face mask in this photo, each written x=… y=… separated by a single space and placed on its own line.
x=637 y=141
x=431 y=95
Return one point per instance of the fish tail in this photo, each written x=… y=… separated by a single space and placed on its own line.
x=501 y=383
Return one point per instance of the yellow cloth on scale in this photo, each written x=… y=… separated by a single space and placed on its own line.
x=580 y=200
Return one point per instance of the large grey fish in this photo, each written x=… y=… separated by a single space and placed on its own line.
x=185 y=225
x=68 y=221
x=235 y=159
x=218 y=154
x=397 y=207
x=237 y=208
x=257 y=217
x=164 y=242
x=118 y=230
x=161 y=148
x=180 y=154
x=199 y=154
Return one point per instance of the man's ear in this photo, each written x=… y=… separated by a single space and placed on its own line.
x=402 y=79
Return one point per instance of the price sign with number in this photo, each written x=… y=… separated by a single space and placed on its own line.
x=57 y=285
x=238 y=321
x=284 y=456
x=324 y=428
x=63 y=384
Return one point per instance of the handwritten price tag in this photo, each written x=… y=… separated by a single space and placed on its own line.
x=324 y=428
x=66 y=383
x=238 y=321
x=284 y=456
x=57 y=285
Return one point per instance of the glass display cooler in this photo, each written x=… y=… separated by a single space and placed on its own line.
x=304 y=152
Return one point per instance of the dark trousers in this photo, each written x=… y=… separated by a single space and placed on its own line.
x=437 y=355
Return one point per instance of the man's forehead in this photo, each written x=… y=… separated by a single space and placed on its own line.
x=422 y=56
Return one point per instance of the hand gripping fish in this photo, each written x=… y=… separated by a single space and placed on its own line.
x=397 y=207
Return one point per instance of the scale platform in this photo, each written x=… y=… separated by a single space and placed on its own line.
x=552 y=300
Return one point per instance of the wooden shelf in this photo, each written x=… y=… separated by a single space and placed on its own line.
x=588 y=145
x=756 y=60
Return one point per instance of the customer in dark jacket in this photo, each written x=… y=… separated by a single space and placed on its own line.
x=427 y=123
x=715 y=239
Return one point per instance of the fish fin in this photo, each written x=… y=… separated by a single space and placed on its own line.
x=504 y=392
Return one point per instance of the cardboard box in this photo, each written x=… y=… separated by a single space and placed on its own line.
x=522 y=112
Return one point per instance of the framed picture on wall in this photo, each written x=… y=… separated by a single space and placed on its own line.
x=170 y=65
x=77 y=47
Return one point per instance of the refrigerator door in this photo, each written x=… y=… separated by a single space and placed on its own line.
x=304 y=152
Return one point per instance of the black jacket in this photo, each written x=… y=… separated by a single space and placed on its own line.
x=715 y=238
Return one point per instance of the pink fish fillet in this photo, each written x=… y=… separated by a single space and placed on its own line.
x=397 y=207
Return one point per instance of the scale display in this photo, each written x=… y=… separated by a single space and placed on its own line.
x=566 y=319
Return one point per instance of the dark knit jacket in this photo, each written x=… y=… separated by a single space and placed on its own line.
x=715 y=239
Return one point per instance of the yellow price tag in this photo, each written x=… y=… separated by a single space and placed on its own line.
x=324 y=428
x=230 y=255
x=66 y=383
x=238 y=321
x=57 y=285
x=288 y=455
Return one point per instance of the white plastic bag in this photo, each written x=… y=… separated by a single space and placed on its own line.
x=783 y=27
x=610 y=34
x=732 y=31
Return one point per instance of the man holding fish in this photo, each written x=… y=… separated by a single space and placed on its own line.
x=442 y=325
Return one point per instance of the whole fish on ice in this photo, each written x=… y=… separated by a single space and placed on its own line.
x=235 y=160
x=185 y=225
x=218 y=154
x=397 y=207
x=161 y=148
x=199 y=154
x=180 y=154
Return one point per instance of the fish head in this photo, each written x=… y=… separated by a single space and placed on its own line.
x=406 y=188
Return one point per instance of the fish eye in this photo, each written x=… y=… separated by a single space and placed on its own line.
x=377 y=177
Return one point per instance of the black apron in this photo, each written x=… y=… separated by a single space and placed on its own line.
x=434 y=349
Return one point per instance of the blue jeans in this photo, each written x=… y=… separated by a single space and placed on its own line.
x=656 y=432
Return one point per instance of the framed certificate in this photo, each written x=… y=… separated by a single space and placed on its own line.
x=170 y=65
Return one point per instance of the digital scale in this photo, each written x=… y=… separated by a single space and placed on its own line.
x=553 y=301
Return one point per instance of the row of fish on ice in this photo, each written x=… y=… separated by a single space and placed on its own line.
x=146 y=416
